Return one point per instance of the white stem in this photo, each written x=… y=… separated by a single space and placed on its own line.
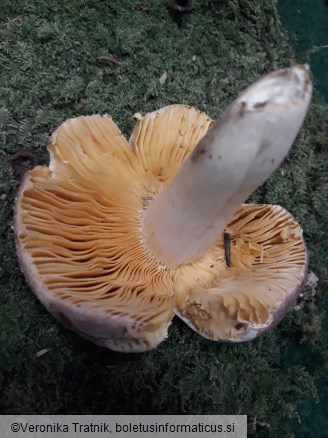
x=237 y=155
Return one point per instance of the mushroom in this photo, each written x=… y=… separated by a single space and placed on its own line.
x=114 y=237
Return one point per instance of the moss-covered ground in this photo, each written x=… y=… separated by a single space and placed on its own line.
x=49 y=72
x=306 y=22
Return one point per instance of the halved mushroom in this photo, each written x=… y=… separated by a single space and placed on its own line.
x=114 y=237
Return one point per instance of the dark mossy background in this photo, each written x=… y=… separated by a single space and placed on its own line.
x=306 y=22
x=49 y=73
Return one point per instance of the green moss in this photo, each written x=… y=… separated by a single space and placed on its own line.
x=306 y=22
x=47 y=52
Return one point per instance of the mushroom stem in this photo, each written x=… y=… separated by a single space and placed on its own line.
x=242 y=149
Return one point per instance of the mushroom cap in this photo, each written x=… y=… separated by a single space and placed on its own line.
x=80 y=242
x=269 y=264
x=77 y=225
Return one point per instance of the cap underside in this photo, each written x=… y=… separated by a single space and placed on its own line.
x=80 y=243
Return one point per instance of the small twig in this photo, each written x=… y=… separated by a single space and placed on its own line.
x=227 y=248
x=108 y=58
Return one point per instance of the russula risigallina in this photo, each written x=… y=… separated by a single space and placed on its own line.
x=114 y=237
